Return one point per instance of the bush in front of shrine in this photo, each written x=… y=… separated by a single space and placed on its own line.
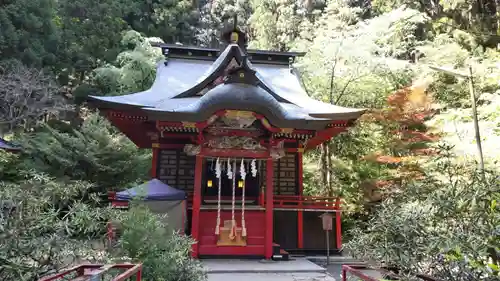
x=164 y=253
x=446 y=226
x=45 y=226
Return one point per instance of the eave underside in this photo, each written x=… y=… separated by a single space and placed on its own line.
x=149 y=133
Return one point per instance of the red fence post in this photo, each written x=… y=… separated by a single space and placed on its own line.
x=154 y=160
x=269 y=209
x=338 y=224
x=139 y=275
x=195 y=221
x=300 y=214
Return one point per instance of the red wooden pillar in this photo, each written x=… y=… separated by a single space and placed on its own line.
x=268 y=244
x=338 y=224
x=154 y=164
x=196 y=204
x=300 y=214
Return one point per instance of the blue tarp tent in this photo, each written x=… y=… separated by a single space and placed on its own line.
x=8 y=146
x=154 y=190
x=161 y=199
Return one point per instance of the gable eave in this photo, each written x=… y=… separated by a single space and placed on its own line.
x=216 y=70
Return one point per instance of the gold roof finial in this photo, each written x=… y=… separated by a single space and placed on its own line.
x=234 y=38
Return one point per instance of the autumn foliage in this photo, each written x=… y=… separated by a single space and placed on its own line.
x=409 y=138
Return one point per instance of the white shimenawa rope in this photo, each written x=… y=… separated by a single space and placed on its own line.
x=218 y=173
x=243 y=175
x=232 y=234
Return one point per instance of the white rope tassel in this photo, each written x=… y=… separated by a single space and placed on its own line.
x=218 y=173
x=253 y=168
x=229 y=170
x=243 y=174
x=232 y=234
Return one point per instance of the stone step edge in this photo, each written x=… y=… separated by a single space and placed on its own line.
x=267 y=271
x=336 y=259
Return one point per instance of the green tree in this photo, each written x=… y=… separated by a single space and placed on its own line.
x=91 y=34
x=164 y=254
x=28 y=32
x=478 y=18
x=44 y=227
x=95 y=152
x=445 y=226
x=172 y=21
x=134 y=69
x=217 y=14
x=355 y=63
x=275 y=25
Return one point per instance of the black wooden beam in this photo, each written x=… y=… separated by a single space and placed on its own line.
x=201 y=53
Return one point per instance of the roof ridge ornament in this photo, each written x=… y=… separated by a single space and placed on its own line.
x=235 y=21
x=232 y=34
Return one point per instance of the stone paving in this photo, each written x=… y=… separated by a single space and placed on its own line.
x=270 y=277
x=298 y=269
x=297 y=265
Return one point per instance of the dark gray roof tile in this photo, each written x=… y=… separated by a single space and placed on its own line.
x=280 y=94
x=240 y=97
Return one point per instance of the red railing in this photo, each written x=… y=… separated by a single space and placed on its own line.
x=360 y=271
x=96 y=272
x=306 y=202
x=291 y=202
x=357 y=270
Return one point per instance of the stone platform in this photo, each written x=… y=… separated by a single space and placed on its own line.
x=312 y=276
x=296 y=265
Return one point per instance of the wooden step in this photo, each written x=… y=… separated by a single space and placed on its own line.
x=276 y=248
x=285 y=255
x=280 y=254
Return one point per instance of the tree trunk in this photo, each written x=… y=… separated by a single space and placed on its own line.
x=330 y=169
x=326 y=169
x=496 y=8
x=76 y=120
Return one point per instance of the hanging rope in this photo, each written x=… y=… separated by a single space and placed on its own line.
x=218 y=172
x=232 y=234
x=243 y=175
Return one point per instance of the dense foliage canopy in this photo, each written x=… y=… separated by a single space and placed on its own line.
x=409 y=161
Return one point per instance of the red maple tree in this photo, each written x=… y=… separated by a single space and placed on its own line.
x=404 y=120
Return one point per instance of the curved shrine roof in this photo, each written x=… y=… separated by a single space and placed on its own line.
x=193 y=90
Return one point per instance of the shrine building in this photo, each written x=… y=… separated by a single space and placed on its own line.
x=230 y=126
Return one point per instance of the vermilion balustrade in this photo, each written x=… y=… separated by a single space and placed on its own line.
x=91 y=272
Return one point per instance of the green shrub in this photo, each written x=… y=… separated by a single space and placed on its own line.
x=164 y=253
x=446 y=227
x=45 y=226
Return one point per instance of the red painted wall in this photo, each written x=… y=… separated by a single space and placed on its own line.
x=255 y=224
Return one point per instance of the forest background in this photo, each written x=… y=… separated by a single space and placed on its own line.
x=407 y=172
